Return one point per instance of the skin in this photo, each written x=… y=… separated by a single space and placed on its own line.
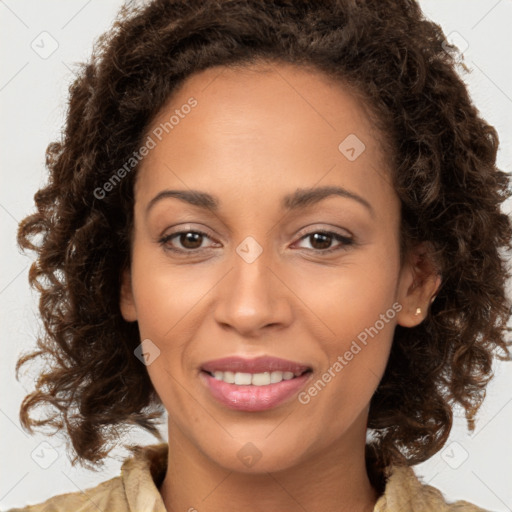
x=256 y=135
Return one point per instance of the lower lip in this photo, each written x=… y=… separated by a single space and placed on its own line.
x=254 y=398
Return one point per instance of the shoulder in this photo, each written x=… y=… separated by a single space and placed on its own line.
x=135 y=489
x=106 y=496
x=405 y=491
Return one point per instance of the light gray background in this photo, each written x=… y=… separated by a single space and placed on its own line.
x=33 y=94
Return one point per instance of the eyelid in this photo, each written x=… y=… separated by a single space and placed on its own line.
x=185 y=228
x=316 y=228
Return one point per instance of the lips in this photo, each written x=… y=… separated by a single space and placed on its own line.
x=257 y=365
x=253 y=384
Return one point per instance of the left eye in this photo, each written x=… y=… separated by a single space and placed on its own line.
x=322 y=240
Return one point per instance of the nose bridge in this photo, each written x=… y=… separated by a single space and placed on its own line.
x=251 y=297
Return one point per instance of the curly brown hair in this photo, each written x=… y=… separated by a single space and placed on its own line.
x=444 y=172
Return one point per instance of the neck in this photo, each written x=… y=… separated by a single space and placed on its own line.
x=333 y=479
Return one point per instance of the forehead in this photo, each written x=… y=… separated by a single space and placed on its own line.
x=258 y=123
x=252 y=97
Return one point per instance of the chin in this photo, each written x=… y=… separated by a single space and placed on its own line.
x=257 y=456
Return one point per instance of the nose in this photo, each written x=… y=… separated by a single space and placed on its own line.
x=252 y=298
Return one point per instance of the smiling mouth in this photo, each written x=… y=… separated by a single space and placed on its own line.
x=255 y=379
x=254 y=384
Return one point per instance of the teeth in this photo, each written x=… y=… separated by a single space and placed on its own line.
x=255 y=379
x=276 y=377
x=228 y=377
x=242 y=379
x=260 y=379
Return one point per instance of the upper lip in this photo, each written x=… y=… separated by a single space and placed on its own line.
x=255 y=365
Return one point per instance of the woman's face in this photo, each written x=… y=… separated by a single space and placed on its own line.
x=291 y=264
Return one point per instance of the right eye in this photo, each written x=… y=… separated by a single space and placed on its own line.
x=189 y=240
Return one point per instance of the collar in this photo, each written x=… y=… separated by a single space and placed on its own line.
x=143 y=474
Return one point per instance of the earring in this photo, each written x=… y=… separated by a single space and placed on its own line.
x=418 y=312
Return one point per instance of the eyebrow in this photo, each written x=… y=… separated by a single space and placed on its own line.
x=301 y=198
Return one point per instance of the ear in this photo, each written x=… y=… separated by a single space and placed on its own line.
x=419 y=283
x=126 y=300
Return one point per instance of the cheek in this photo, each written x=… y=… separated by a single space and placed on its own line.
x=166 y=295
x=357 y=307
x=342 y=389
x=352 y=297
x=170 y=302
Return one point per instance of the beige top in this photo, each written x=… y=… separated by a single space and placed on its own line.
x=136 y=490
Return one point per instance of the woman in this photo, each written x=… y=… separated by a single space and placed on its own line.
x=280 y=222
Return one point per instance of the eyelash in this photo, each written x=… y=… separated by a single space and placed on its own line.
x=346 y=241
